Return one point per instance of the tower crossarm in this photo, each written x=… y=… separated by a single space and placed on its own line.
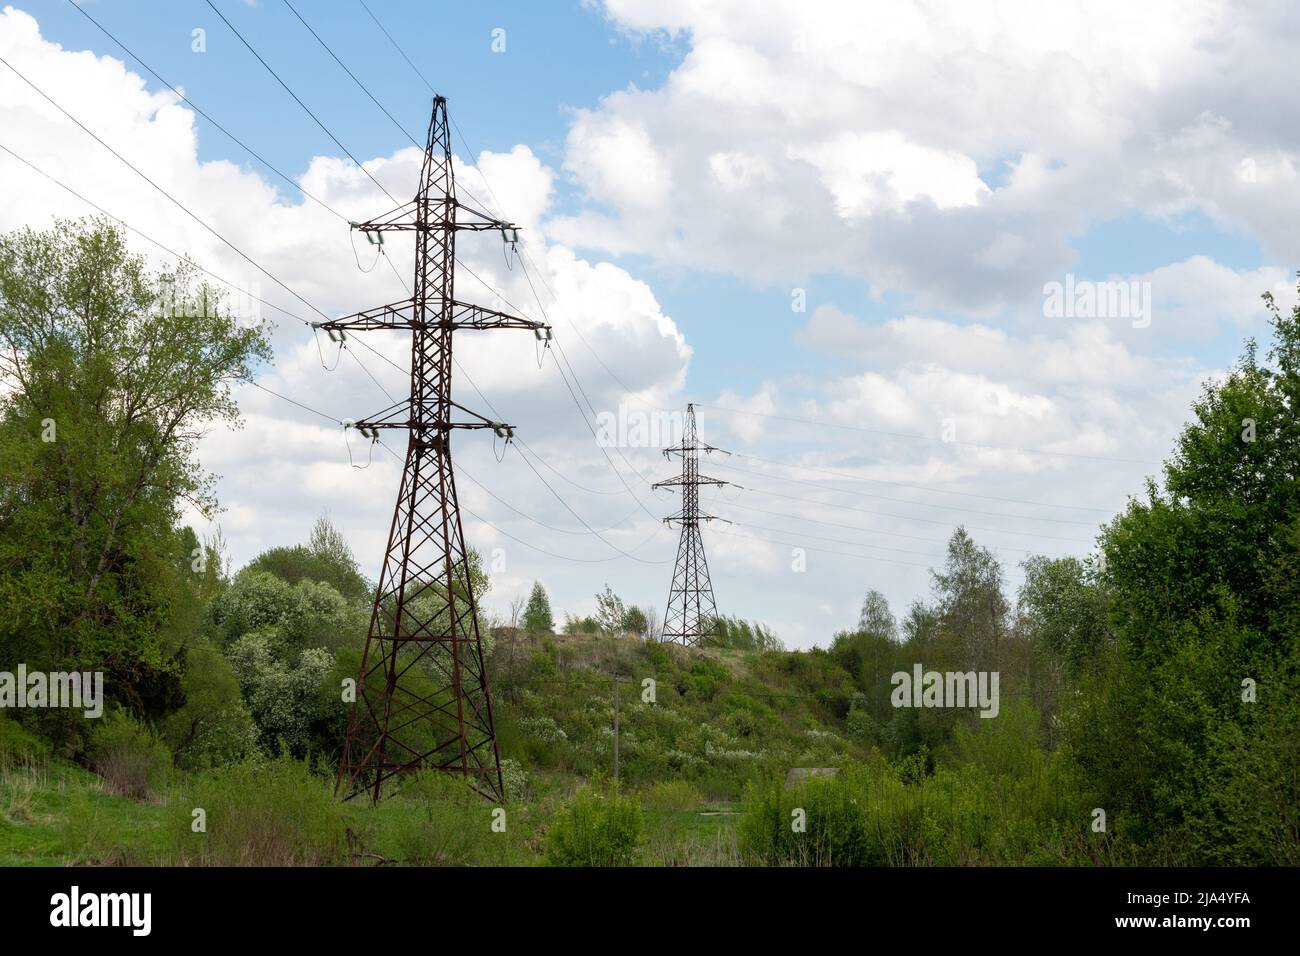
x=402 y=315
x=404 y=415
x=407 y=218
x=680 y=482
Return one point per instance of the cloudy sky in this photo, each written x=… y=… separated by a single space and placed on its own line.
x=843 y=230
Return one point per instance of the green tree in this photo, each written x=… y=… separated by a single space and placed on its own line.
x=327 y=558
x=971 y=604
x=635 y=622
x=610 y=612
x=537 y=615
x=105 y=392
x=1202 y=578
x=1064 y=615
x=876 y=618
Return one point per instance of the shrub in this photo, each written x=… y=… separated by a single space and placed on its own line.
x=435 y=819
x=596 y=829
x=672 y=795
x=128 y=756
x=214 y=725
x=263 y=812
x=17 y=746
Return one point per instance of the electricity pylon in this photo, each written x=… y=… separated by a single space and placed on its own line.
x=691 y=616
x=422 y=692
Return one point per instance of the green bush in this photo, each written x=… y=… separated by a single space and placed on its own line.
x=677 y=795
x=435 y=819
x=596 y=829
x=17 y=746
x=262 y=812
x=128 y=756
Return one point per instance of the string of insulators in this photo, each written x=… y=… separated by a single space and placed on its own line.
x=367 y=431
x=374 y=238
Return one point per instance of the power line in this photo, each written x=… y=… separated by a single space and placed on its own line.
x=306 y=408
x=517 y=540
x=351 y=74
x=886 y=514
x=847 y=554
x=297 y=100
x=839 y=524
x=398 y=48
x=816 y=537
x=194 y=106
x=126 y=225
x=876 y=431
x=169 y=196
x=920 y=504
x=926 y=488
x=582 y=521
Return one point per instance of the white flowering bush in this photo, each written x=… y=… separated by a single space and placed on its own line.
x=285 y=697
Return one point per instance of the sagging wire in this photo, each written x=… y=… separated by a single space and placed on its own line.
x=341 y=341
x=543 y=336
x=379 y=251
x=507 y=434
x=366 y=432
x=509 y=235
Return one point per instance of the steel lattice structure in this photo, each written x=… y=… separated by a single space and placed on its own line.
x=691 y=614
x=422 y=695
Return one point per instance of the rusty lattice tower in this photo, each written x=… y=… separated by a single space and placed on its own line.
x=691 y=616
x=422 y=692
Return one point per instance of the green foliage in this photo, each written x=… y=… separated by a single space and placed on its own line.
x=1063 y=614
x=1005 y=801
x=596 y=829
x=1203 y=599
x=214 y=725
x=635 y=622
x=741 y=635
x=610 y=613
x=18 y=746
x=287 y=692
x=255 y=600
x=106 y=390
x=537 y=615
x=677 y=795
x=876 y=618
x=261 y=812
x=129 y=756
x=326 y=558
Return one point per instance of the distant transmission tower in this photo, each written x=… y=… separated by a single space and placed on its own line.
x=422 y=692
x=692 y=615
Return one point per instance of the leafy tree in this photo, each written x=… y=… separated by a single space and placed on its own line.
x=213 y=726
x=1062 y=613
x=971 y=604
x=635 y=622
x=327 y=558
x=1202 y=574
x=610 y=612
x=103 y=396
x=740 y=634
x=537 y=616
x=876 y=618
x=288 y=693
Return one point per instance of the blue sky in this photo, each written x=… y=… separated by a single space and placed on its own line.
x=684 y=172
